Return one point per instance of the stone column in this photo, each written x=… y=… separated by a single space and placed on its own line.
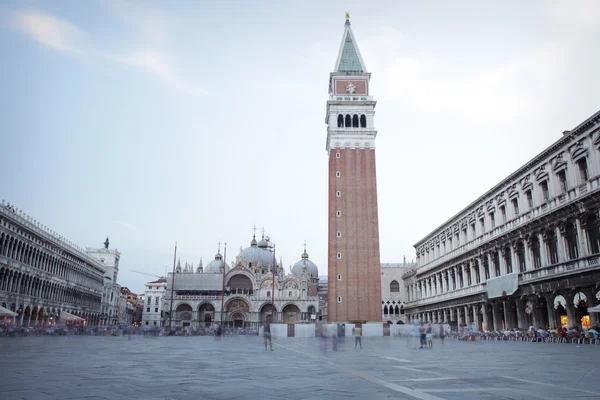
x=456 y=279
x=444 y=284
x=560 y=241
x=513 y=258
x=496 y=316
x=481 y=269
x=582 y=241
x=486 y=322
x=467 y=316
x=491 y=264
x=534 y=312
x=551 y=312
x=464 y=275
x=502 y=263
x=507 y=324
x=526 y=249
x=476 y=317
x=520 y=311
x=543 y=254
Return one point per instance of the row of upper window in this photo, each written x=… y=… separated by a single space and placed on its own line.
x=552 y=249
x=563 y=187
x=352 y=121
x=39 y=242
x=39 y=258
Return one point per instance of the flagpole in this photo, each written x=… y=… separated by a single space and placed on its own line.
x=172 y=287
x=223 y=285
x=273 y=291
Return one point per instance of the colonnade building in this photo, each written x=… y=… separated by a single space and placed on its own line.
x=526 y=253
x=44 y=277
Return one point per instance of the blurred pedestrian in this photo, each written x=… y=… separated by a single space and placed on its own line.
x=357 y=332
x=267 y=335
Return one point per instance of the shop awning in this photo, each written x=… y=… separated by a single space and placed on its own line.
x=594 y=309
x=5 y=312
x=501 y=286
x=65 y=316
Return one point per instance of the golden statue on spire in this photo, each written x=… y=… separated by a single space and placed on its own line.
x=347 y=15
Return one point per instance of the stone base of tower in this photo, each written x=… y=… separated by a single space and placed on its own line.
x=370 y=329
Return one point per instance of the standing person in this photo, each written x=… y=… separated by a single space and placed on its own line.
x=267 y=334
x=442 y=333
x=422 y=335
x=357 y=331
x=429 y=335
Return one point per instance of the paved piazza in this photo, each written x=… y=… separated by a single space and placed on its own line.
x=83 y=367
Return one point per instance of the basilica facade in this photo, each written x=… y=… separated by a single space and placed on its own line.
x=252 y=289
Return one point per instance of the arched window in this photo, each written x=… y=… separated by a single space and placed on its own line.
x=394 y=287
x=396 y=311
x=363 y=121
x=348 y=121
x=385 y=310
x=340 y=121
x=355 y=121
x=268 y=293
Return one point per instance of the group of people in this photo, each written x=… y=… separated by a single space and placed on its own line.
x=426 y=332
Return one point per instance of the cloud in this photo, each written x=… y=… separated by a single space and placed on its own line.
x=151 y=24
x=159 y=64
x=579 y=14
x=63 y=36
x=129 y=226
x=490 y=94
x=49 y=30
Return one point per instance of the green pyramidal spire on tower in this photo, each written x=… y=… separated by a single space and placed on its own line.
x=349 y=58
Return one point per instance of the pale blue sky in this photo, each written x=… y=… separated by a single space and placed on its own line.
x=193 y=121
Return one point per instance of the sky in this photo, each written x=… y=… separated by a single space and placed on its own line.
x=194 y=121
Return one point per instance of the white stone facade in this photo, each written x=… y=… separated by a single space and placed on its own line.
x=154 y=302
x=43 y=274
x=393 y=292
x=112 y=290
x=248 y=297
x=526 y=252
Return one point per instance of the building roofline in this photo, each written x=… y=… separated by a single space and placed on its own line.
x=595 y=118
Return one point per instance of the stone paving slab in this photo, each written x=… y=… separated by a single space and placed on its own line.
x=181 y=368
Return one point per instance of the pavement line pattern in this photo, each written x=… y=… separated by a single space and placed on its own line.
x=398 y=388
x=416 y=370
x=447 y=378
x=397 y=359
x=551 y=385
x=464 y=390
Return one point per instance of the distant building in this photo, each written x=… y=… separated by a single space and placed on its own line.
x=526 y=252
x=111 y=291
x=43 y=277
x=152 y=307
x=393 y=292
x=250 y=288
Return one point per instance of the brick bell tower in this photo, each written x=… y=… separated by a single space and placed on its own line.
x=354 y=281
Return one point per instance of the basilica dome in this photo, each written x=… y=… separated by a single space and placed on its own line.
x=257 y=255
x=313 y=271
x=214 y=267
